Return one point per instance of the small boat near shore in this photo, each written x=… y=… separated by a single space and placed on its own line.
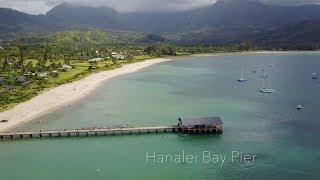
x=266 y=90
x=315 y=76
x=300 y=107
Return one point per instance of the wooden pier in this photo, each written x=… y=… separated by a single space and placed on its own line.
x=109 y=131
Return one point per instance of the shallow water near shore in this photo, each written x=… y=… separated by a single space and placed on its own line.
x=285 y=140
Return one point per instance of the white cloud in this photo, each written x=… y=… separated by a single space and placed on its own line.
x=28 y=6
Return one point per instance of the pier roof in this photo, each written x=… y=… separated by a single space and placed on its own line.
x=200 y=121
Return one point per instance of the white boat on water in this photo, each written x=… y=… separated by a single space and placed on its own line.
x=265 y=75
x=266 y=90
x=241 y=77
x=299 y=107
x=315 y=76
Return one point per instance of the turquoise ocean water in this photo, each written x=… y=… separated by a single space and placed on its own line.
x=286 y=141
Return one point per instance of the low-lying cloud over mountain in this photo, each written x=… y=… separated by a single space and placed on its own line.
x=42 y=6
x=221 y=22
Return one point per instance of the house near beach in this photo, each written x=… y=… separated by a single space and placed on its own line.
x=10 y=88
x=66 y=66
x=2 y=79
x=43 y=75
x=21 y=79
x=9 y=62
x=114 y=54
x=95 y=60
x=117 y=56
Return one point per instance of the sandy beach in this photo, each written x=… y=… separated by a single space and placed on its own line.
x=64 y=95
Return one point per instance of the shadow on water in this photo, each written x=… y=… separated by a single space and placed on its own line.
x=303 y=131
x=198 y=137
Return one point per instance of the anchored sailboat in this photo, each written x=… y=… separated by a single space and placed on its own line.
x=241 y=78
x=315 y=76
x=266 y=90
x=264 y=75
x=300 y=107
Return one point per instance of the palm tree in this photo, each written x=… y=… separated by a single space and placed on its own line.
x=5 y=64
x=28 y=67
x=92 y=64
x=21 y=58
x=114 y=60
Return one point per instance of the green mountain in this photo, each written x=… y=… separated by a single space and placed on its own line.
x=226 y=21
x=14 y=24
x=92 y=36
x=300 y=36
x=304 y=35
x=101 y=17
x=70 y=37
x=252 y=14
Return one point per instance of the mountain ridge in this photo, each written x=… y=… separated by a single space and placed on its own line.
x=224 y=21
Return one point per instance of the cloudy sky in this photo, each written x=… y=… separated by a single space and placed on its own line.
x=42 y=6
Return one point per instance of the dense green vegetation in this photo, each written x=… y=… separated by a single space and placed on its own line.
x=92 y=36
x=31 y=65
x=160 y=49
x=27 y=70
x=301 y=36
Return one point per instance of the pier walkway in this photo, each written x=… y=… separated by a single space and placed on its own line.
x=106 y=131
